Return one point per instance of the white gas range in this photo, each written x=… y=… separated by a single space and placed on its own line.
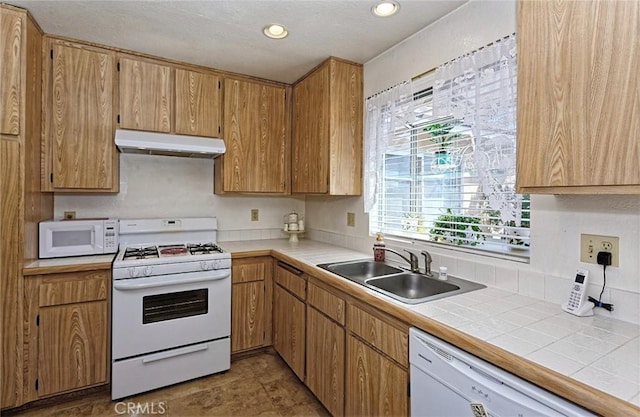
x=171 y=307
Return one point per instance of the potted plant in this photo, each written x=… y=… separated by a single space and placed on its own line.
x=440 y=136
x=457 y=229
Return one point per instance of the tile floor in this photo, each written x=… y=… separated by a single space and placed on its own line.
x=260 y=385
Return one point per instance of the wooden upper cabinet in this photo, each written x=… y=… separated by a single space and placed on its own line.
x=327 y=130
x=198 y=103
x=311 y=134
x=578 y=97
x=145 y=95
x=11 y=27
x=80 y=153
x=255 y=134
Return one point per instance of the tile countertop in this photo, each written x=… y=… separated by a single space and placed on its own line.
x=70 y=264
x=600 y=352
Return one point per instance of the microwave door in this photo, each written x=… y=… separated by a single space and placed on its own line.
x=73 y=240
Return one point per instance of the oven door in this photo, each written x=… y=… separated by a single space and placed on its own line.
x=161 y=312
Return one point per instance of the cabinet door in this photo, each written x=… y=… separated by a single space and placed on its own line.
x=81 y=140
x=578 y=96
x=198 y=103
x=247 y=315
x=289 y=329
x=10 y=79
x=145 y=96
x=73 y=346
x=345 y=129
x=256 y=137
x=325 y=361
x=376 y=386
x=310 y=165
x=10 y=275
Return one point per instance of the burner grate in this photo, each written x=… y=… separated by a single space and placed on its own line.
x=203 y=248
x=140 y=253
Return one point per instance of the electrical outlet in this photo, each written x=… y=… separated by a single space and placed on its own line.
x=351 y=219
x=255 y=215
x=68 y=215
x=590 y=245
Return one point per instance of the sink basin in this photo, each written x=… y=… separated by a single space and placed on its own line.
x=410 y=286
x=361 y=270
x=397 y=283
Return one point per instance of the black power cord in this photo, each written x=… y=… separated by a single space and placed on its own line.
x=604 y=259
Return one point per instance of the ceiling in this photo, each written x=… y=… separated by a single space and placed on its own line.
x=227 y=34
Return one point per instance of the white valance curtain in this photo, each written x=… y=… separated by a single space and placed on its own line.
x=440 y=155
x=385 y=112
x=480 y=90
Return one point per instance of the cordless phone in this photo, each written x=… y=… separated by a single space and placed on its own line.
x=577 y=304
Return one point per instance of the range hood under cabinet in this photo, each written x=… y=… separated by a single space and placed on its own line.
x=151 y=143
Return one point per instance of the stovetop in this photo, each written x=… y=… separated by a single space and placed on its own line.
x=143 y=252
x=169 y=246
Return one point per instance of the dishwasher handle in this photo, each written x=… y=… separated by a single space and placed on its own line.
x=460 y=365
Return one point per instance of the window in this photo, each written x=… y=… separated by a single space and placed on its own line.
x=441 y=156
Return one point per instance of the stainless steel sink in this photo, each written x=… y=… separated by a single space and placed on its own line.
x=361 y=270
x=407 y=287
x=411 y=286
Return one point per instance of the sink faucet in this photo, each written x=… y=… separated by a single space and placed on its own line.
x=412 y=260
x=427 y=263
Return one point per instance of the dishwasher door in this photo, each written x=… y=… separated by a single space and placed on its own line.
x=448 y=382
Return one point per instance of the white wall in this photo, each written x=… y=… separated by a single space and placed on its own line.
x=556 y=221
x=166 y=186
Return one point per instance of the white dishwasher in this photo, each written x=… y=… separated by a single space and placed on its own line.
x=448 y=382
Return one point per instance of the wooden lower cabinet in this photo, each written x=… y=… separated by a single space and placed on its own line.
x=247 y=316
x=289 y=329
x=73 y=348
x=251 y=303
x=325 y=360
x=67 y=324
x=376 y=386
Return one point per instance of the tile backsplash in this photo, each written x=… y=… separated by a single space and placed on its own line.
x=502 y=274
x=166 y=186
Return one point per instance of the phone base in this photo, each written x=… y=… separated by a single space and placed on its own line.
x=585 y=311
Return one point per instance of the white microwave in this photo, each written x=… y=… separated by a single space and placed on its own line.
x=60 y=238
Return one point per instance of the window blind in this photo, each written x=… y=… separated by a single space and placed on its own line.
x=447 y=169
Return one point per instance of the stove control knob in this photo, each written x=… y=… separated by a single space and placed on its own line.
x=216 y=264
x=148 y=270
x=205 y=266
x=133 y=272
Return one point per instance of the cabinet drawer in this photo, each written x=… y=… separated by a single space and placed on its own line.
x=247 y=270
x=327 y=303
x=292 y=279
x=76 y=288
x=379 y=334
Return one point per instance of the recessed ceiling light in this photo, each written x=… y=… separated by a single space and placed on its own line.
x=386 y=8
x=275 y=31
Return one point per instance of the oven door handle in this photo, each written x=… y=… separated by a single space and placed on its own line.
x=175 y=352
x=136 y=284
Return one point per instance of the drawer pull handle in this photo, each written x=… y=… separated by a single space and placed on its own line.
x=289 y=268
x=174 y=353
